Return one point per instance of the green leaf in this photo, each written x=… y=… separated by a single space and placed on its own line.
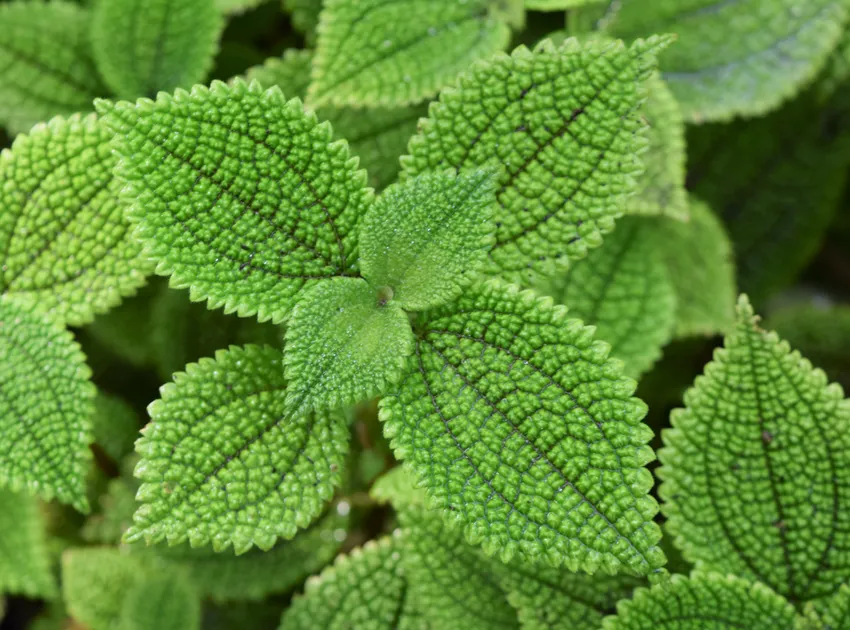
x=241 y=195
x=47 y=63
x=161 y=602
x=305 y=16
x=661 y=188
x=365 y=590
x=427 y=237
x=396 y=487
x=703 y=601
x=236 y=6
x=346 y=342
x=624 y=290
x=144 y=46
x=65 y=241
x=24 y=561
x=117 y=506
x=222 y=464
x=566 y=125
x=558 y=5
x=518 y=424
x=831 y=613
x=756 y=470
x=375 y=52
x=115 y=426
x=46 y=406
x=741 y=58
x=698 y=256
x=377 y=135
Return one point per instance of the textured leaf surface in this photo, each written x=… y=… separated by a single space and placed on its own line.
x=755 y=470
x=662 y=185
x=703 y=601
x=517 y=421
x=305 y=16
x=377 y=135
x=240 y=194
x=115 y=426
x=776 y=183
x=24 y=561
x=222 y=464
x=739 y=57
x=376 y=52
x=161 y=602
x=144 y=46
x=565 y=124
x=365 y=590
x=624 y=289
x=346 y=342
x=47 y=63
x=698 y=256
x=427 y=237
x=831 y=613
x=65 y=241
x=46 y=405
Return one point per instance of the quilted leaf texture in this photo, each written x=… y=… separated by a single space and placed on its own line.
x=565 y=123
x=830 y=613
x=241 y=195
x=704 y=601
x=755 y=474
x=222 y=464
x=377 y=135
x=48 y=69
x=346 y=342
x=115 y=426
x=24 y=560
x=376 y=52
x=65 y=240
x=305 y=16
x=624 y=289
x=161 y=602
x=427 y=237
x=520 y=426
x=46 y=406
x=737 y=58
x=144 y=46
x=366 y=590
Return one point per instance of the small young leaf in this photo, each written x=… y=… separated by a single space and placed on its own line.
x=236 y=6
x=144 y=46
x=65 y=240
x=346 y=342
x=115 y=426
x=241 y=195
x=427 y=237
x=117 y=505
x=830 y=613
x=47 y=63
x=24 y=561
x=703 y=601
x=624 y=289
x=222 y=464
x=566 y=125
x=739 y=58
x=365 y=590
x=756 y=470
x=375 y=52
x=163 y=601
x=46 y=406
x=305 y=16
x=515 y=420
x=558 y=5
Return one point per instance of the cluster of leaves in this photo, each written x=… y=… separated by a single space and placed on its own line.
x=417 y=270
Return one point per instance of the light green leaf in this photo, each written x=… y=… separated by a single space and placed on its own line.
x=346 y=341
x=115 y=426
x=65 y=241
x=47 y=63
x=738 y=58
x=831 y=613
x=144 y=46
x=427 y=237
x=756 y=470
x=558 y=5
x=236 y=6
x=117 y=506
x=521 y=427
x=46 y=406
x=24 y=560
x=703 y=601
x=222 y=464
x=377 y=135
x=662 y=186
x=375 y=52
x=241 y=195
x=366 y=590
x=566 y=125
x=698 y=256
x=396 y=487
x=624 y=290
x=162 y=601
x=305 y=16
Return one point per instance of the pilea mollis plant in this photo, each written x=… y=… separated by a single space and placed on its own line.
x=377 y=314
